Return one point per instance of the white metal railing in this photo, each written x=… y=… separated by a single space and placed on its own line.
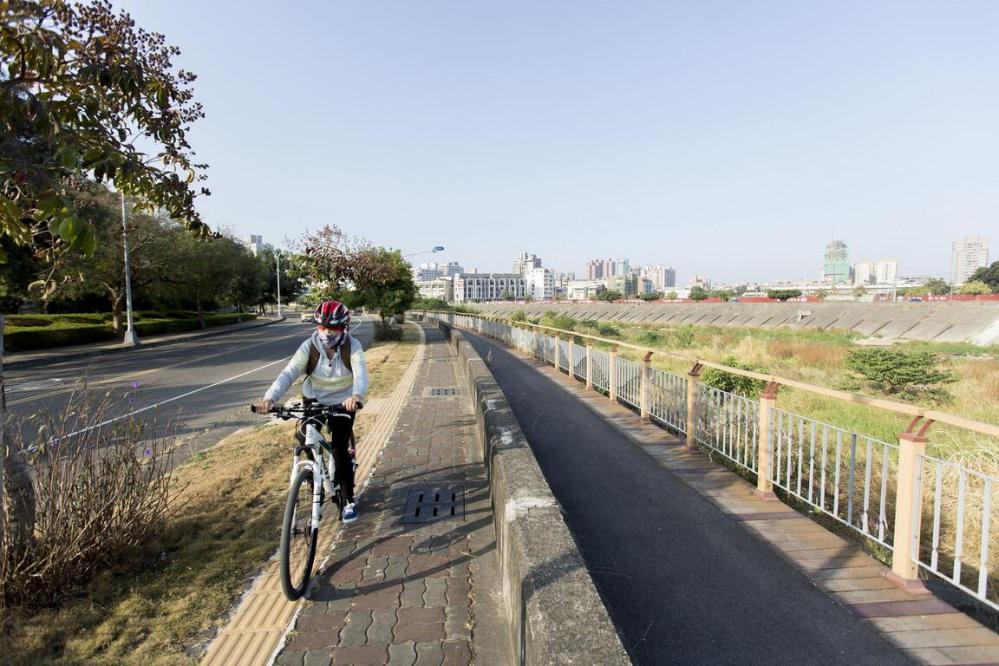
x=879 y=489
x=841 y=473
x=956 y=548
x=727 y=423
x=668 y=400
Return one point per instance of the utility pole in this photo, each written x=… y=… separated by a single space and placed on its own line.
x=277 y=255
x=130 y=336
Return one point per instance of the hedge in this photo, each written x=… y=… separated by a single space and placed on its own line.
x=27 y=332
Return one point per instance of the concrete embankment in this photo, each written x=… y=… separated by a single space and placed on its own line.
x=973 y=322
x=555 y=613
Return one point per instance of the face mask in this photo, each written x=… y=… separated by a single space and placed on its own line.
x=331 y=340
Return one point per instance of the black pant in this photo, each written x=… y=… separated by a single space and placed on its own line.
x=340 y=428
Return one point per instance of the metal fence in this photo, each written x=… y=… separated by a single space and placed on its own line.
x=727 y=423
x=668 y=399
x=843 y=474
x=955 y=544
x=855 y=479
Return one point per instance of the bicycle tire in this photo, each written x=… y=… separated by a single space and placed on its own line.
x=292 y=590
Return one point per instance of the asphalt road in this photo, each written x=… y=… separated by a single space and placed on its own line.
x=196 y=390
x=683 y=583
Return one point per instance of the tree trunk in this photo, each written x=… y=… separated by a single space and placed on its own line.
x=116 y=321
x=201 y=314
x=17 y=494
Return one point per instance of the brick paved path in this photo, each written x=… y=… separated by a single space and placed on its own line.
x=403 y=592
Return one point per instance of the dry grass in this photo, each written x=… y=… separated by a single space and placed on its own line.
x=159 y=605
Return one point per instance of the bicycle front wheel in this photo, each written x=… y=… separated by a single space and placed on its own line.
x=298 y=537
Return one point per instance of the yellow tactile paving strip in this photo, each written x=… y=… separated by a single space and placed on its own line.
x=264 y=613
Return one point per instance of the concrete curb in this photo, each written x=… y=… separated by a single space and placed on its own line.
x=56 y=355
x=555 y=614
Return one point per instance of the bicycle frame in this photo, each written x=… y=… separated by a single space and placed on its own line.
x=315 y=441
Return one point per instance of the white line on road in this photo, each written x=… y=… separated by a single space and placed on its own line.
x=174 y=398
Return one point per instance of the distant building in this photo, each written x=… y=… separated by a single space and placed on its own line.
x=601 y=269
x=699 y=281
x=662 y=277
x=442 y=288
x=968 y=255
x=254 y=244
x=836 y=269
x=539 y=283
x=886 y=272
x=627 y=284
x=479 y=287
x=526 y=262
x=432 y=270
x=595 y=269
x=863 y=273
x=584 y=290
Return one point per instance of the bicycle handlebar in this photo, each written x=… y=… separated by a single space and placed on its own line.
x=310 y=408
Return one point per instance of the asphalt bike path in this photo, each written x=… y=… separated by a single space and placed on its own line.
x=683 y=582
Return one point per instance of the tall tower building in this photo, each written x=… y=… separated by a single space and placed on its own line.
x=836 y=269
x=968 y=254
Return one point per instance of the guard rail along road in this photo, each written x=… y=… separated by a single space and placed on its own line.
x=925 y=512
x=553 y=609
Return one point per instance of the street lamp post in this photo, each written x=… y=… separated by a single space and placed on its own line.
x=434 y=250
x=131 y=338
x=277 y=255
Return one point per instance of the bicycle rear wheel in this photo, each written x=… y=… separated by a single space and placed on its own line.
x=298 y=537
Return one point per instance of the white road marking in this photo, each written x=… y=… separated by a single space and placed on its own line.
x=176 y=397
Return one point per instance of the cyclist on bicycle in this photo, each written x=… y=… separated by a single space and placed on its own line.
x=336 y=373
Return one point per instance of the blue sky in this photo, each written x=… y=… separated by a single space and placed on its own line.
x=731 y=139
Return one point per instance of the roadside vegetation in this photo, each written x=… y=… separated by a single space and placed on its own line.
x=158 y=601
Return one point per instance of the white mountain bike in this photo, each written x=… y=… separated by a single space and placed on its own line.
x=312 y=483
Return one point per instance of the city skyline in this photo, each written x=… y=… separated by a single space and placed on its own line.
x=736 y=140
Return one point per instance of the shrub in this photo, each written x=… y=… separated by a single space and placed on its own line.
x=608 y=330
x=651 y=338
x=97 y=495
x=783 y=294
x=518 y=316
x=385 y=330
x=900 y=372
x=726 y=381
x=565 y=322
x=55 y=334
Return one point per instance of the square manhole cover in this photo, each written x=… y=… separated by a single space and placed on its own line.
x=427 y=505
x=432 y=391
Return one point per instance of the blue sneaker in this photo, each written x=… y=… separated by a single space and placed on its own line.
x=349 y=513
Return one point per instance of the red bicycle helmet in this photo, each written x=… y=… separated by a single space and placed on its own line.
x=332 y=314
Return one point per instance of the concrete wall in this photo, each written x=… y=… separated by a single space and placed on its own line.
x=555 y=613
x=977 y=323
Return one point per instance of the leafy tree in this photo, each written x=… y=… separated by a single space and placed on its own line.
x=726 y=381
x=989 y=275
x=506 y=296
x=653 y=296
x=383 y=281
x=723 y=294
x=900 y=372
x=859 y=291
x=975 y=287
x=671 y=296
x=821 y=294
x=783 y=294
x=936 y=287
x=609 y=295
x=209 y=268
x=518 y=316
x=83 y=92
x=698 y=294
x=153 y=260
x=328 y=261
